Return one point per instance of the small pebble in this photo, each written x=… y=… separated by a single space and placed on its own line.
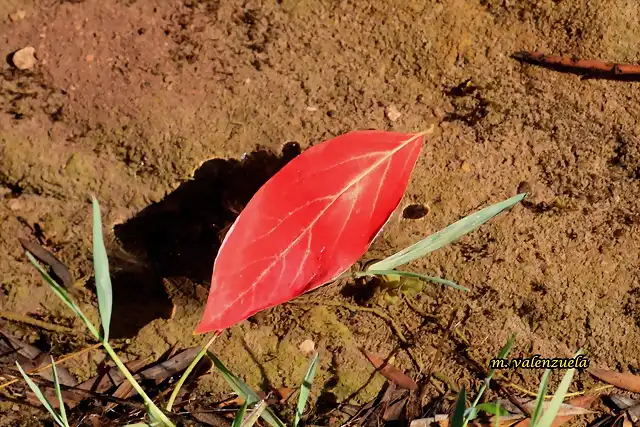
x=466 y=167
x=392 y=113
x=24 y=58
x=18 y=15
x=307 y=347
x=90 y=58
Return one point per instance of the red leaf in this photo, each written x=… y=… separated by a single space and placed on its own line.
x=309 y=223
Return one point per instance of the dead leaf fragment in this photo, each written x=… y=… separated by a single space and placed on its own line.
x=25 y=58
x=623 y=380
x=390 y=372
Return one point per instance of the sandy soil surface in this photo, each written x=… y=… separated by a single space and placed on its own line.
x=174 y=112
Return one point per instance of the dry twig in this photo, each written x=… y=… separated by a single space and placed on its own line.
x=585 y=67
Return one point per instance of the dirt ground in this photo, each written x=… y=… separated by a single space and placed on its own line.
x=173 y=112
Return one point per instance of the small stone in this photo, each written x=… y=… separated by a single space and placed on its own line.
x=90 y=58
x=466 y=167
x=18 y=15
x=14 y=204
x=392 y=113
x=24 y=58
x=307 y=347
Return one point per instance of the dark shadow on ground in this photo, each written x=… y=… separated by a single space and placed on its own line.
x=180 y=235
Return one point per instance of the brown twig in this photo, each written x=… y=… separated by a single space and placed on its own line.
x=15 y=317
x=589 y=67
x=58 y=269
x=48 y=365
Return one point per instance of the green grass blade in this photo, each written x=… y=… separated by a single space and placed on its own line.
x=237 y=421
x=554 y=406
x=443 y=237
x=137 y=425
x=244 y=391
x=501 y=355
x=497 y=417
x=492 y=408
x=255 y=414
x=56 y=382
x=62 y=294
x=41 y=397
x=458 y=413
x=187 y=371
x=542 y=391
x=305 y=389
x=101 y=269
x=412 y=274
x=472 y=411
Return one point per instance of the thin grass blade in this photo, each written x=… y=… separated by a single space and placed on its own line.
x=412 y=274
x=56 y=382
x=448 y=235
x=187 y=371
x=554 y=406
x=237 y=421
x=492 y=408
x=305 y=388
x=41 y=397
x=501 y=355
x=101 y=268
x=472 y=411
x=255 y=414
x=542 y=391
x=458 y=413
x=244 y=391
x=62 y=294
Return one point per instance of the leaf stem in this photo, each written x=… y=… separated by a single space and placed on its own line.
x=192 y=365
x=151 y=407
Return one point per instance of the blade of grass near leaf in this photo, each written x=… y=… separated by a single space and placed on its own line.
x=56 y=382
x=542 y=391
x=448 y=235
x=554 y=406
x=101 y=267
x=492 y=408
x=253 y=416
x=305 y=388
x=244 y=390
x=390 y=372
x=412 y=274
x=623 y=380
x=45 y=402
x=458 y=413
x=237 y=421
x=187 y=371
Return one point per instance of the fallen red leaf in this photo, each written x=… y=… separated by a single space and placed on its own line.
x=390 y=372
x=623 y=380
x=309 y=223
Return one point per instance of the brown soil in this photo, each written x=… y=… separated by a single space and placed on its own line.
x=151 y=104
